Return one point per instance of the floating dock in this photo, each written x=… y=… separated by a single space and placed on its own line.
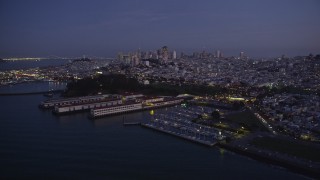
x=131 y=123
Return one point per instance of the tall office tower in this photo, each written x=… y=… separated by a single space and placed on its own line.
x=182 y=55
x=126 y=59
x=164 y=54
x=159 y=52
x=120 y=56
x=174 y=55
x=203 y=55
x=195 y=55
x=146 y=55
x=242 y=56
x=153 y=55
x=139 y=53
x=218 y=54
x=135 y=60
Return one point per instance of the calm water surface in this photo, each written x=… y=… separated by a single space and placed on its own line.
x=35 y=144
x=31 y=87
x=10 y=65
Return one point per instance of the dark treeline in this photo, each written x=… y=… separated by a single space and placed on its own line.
x=112 y=83
x=116 y=83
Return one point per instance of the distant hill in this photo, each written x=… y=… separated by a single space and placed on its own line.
x=82 y=59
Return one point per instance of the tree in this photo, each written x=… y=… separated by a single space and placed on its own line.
x=237 y=105
x=215 y=114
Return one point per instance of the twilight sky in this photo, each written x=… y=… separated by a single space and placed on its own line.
x=105 y=27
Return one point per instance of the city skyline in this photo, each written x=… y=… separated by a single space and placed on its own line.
x=100 y=28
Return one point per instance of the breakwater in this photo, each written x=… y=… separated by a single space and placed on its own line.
x=290 y=164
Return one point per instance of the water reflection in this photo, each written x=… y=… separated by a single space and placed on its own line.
x=119 y=119
x=71 y=119
x=222 y=151
x=107 y=121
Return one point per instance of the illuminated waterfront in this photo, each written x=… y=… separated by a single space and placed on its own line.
x=35 y=144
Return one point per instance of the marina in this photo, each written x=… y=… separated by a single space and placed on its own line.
x=178 y=122
x=191 y=138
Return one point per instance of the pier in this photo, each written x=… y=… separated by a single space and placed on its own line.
x=133 y=105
